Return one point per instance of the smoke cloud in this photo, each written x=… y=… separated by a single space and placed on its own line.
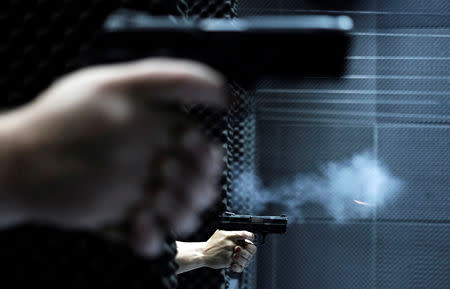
x=344 y=190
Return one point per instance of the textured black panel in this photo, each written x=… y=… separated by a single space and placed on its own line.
x=326 y=255
x=320 y=255
x=431 y=8
x=412 y=256
x=411 y=42
x=420 y=156
x=414 y=6
x=235 y=130
x=207 y=9
x=56 y=33
x=220 y=127
x=305 y=6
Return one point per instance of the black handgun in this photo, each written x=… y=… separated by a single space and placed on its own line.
x=261 y=226
x=243 y=49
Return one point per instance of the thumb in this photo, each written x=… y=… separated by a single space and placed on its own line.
x=163 y=80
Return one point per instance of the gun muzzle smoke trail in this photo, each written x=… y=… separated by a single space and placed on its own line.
x=347 y=189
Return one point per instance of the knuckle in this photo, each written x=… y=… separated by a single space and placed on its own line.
x=229 y=234
x=225 y=234
x=118 y=111
x=225 y=253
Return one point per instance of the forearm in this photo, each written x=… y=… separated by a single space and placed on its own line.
x=190 y=256
x=12 y=138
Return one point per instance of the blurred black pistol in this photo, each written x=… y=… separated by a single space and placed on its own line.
x=243 y=49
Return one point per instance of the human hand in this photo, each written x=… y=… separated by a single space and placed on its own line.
x=104 y=144
x=229 y=249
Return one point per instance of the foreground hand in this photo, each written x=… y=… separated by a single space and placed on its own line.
x=223 y=250
x=104 y=144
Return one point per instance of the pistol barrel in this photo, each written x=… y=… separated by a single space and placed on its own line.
x=256 y=224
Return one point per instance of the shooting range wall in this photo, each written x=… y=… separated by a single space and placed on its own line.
x=394 y=100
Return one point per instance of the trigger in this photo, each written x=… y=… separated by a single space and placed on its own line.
x=241 y=243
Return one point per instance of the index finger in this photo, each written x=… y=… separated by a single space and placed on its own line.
x=164 y=80
x=240 y=235
x=249 y=246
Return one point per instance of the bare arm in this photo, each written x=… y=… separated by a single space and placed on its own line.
x=190 y=256
x=220 y=251
x=12 y=143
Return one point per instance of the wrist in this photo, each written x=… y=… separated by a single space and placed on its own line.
x=10 y=125
x=202 y=257
x=13 y=136
x=190 y=256
x=196 y=253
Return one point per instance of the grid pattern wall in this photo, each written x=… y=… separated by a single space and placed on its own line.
x=393 y=101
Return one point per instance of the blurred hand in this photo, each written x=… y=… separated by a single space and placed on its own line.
x=105 y=144
x=223 y=250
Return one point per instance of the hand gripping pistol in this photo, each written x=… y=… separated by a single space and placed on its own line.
x=261 y=226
